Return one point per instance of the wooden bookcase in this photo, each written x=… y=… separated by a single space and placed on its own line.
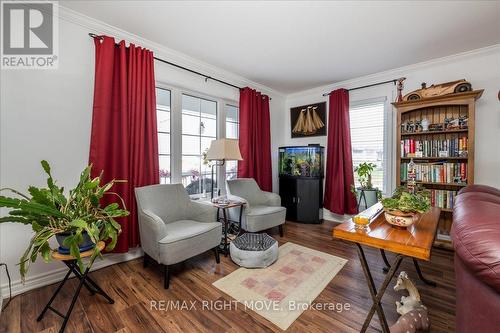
x=436 y=110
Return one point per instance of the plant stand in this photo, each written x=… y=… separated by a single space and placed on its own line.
x=367 y=200
x=85 y=280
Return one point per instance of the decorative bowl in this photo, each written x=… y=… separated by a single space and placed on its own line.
x=400 y=219
x=361 y=222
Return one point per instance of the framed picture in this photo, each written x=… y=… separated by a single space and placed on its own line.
x=308 y=120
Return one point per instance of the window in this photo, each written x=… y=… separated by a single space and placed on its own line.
x=232 y=132
x=367 y=139
x=163 y=125
x=199 y=128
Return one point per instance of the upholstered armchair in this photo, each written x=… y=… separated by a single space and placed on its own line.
x=262 y=209
x=174 y=228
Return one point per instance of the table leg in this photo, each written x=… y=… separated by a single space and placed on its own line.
x=386 y=262
x=90 y=284
x=73 y=301
x=419 y=272
x=377 y=295
x=85 y=280
x=40 y=317
x=226 y=225
x=417 y=268
x=72 y=267
x=239 y=221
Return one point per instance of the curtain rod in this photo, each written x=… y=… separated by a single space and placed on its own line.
x=207 y=77
x=371 y=85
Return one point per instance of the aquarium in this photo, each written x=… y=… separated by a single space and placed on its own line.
x=302 y=161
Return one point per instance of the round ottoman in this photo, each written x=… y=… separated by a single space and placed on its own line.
x=254 y=250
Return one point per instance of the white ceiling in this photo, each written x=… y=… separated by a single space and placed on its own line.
x=291 y=46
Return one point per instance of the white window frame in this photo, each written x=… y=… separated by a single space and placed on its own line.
x=235 y=105
x=388 y=139
x=170 y=130
x=176 y=129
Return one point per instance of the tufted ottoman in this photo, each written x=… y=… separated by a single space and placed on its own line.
x=254 y=250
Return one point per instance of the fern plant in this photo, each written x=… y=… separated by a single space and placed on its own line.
x=50 y=212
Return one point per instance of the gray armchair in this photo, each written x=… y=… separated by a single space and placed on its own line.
x=262 y=209
x=174 y=228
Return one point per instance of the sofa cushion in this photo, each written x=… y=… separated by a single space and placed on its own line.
x=476 y=235
x=265 y=210
x=186 y=239
x=186 y=229
x=263 y=217
x=476 y=196
x=480 y=188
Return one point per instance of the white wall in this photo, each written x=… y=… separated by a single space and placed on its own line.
x=46 y=114
x=481 y=67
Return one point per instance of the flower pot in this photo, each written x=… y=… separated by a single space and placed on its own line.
x=400 y=219
x=370 y=195
x=85 y=245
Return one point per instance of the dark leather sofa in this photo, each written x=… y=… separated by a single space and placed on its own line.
x=476 y=239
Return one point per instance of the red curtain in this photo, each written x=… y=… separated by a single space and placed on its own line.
x=339 y=171
x=255 y=138
x=124 y=143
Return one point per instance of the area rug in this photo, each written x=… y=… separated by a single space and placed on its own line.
x=281 y=292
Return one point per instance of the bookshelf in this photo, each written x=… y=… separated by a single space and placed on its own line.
x=443 y=154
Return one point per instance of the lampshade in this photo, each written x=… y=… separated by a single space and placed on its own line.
x=224 y=149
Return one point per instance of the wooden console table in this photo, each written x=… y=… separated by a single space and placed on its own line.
x=415 y=242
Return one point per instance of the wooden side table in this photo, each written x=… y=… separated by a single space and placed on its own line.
x=224 y=246
x=85 y=280
x=415 y=242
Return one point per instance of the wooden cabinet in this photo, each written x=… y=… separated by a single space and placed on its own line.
x=302 y=197
x=438 y=134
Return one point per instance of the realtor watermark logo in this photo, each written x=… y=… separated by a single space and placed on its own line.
x=30 y=35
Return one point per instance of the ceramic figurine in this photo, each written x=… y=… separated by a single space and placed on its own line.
x=411 y=126
x=452 y=123
x=414 y=315
x=418 y=126
x=425 y=124
x=463 y=122
x=400 y=86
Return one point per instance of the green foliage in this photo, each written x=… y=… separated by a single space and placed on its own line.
x=364 y=171
x=406 y=202
x=50 y=212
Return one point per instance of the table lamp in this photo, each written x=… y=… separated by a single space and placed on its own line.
x=220 y=151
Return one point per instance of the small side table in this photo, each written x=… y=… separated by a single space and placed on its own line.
x=224 y=246
x=85 y=280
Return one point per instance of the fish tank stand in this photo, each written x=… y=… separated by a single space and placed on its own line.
x=301 y=182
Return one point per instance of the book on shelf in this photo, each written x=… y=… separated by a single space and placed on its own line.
x=443 y=198
x=437 y=172
x=456 y=147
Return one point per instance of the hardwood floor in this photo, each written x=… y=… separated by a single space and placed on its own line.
x=134 y=287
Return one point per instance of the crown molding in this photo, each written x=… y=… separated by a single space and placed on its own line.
x=98 y=27
x=396 y=72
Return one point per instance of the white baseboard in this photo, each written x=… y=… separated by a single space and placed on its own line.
x=57 y=275
x=327 y=215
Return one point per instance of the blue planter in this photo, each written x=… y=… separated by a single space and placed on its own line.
x=85 y=245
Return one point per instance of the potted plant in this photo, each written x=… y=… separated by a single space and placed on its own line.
x=404 y=208
x=366 y=189
x=77 y=220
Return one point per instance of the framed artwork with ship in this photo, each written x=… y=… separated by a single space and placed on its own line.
x=308 y=120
